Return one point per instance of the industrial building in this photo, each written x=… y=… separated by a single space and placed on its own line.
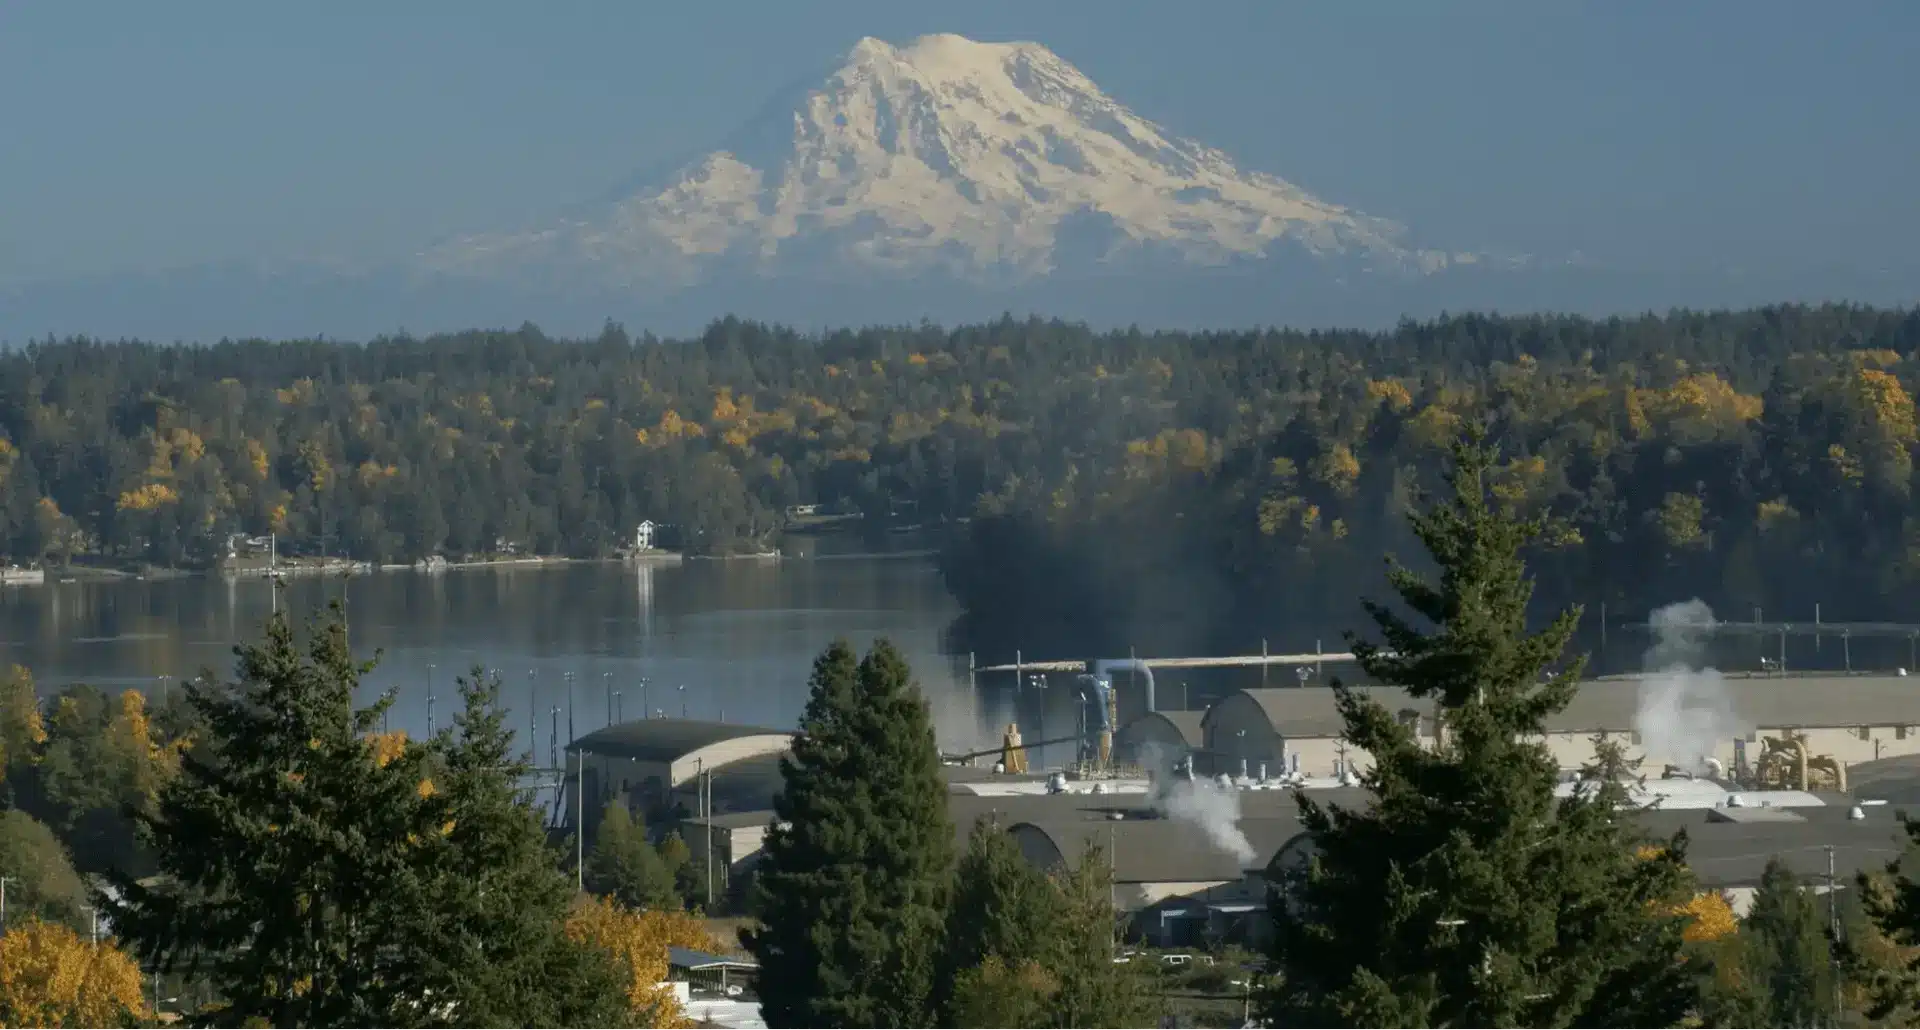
x=1171 y=736
x=660 y=764
x=1849 y=719
x=1808 y=733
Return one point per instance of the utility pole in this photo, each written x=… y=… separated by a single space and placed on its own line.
x=706 y=803
x=580 y=821
x=568 y=676
x=429 y=700
x=1833 y=930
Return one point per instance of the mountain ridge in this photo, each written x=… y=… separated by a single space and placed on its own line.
x=988 y=161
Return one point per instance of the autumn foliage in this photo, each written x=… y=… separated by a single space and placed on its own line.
x=50 y=976
x=639 y=941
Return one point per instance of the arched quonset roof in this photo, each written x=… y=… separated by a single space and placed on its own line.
x=1167 y=726
x=687 y=746
x=1302 y=711
x=1151 y=850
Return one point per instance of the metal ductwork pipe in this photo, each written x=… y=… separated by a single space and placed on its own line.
x=1106 y=667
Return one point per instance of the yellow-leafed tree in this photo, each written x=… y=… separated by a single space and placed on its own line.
x=639 y=941
x=50 y=976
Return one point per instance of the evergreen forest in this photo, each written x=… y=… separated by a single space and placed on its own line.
x=1170 y=492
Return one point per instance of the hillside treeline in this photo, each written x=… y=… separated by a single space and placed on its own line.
x=1157 y=490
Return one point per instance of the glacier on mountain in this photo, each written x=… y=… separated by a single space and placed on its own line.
x=987 y=161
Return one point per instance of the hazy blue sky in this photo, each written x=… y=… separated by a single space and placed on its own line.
x=1765 y=133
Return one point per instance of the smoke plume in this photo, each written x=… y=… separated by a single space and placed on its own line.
x=1685 y=709
x=1213 y=809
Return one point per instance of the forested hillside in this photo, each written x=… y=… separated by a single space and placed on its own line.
x=1156 y=490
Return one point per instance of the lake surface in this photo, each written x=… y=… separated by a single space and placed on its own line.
x=732 y=640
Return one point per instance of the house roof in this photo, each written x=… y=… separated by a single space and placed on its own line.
x=665 y=740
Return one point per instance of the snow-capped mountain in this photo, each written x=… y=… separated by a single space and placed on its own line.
x=992 y=162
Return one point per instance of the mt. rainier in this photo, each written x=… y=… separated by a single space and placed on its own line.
x=993 y=163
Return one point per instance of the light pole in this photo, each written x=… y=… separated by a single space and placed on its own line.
x=616 y=707
x=1038 y=681
x=645 y=711
x=533 y=718
x=553 y=737
x=568 y=677
x=683 y=700
x=430 y=700
x=4 y=880
x=606 y=682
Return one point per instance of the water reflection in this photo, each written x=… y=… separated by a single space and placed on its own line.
x=732 y=639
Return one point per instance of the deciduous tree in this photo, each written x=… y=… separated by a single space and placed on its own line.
x=51 y=976
x=638 y=943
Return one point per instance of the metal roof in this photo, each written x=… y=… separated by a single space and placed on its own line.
x=1184 y=724
x=665 y=740
x=1763 y=702
x=689 y=959
x=1725 y=854
x=1312 y=711
x=1163 y=850
x=754 y=819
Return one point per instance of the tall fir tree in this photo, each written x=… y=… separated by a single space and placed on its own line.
x=318 y=874
x=1003 y=908
x=283 y=846
x=1467 y=894
x=1094 y=990
x=853 y=892
x=624 y=865
x=488 y=924
x=1783 y=962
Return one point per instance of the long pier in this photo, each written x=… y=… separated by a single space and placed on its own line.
x=1220 y=662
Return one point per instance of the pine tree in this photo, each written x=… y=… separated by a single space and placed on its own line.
x=284 y=846
x=492 y=903
x=1783 y=961
x=1094 y=990
x=852 y=894
x=1467 y=895
x=319 y=875
x=625 y=866
x=1003 y=909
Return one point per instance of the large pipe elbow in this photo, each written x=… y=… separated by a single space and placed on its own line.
x=1105 y=668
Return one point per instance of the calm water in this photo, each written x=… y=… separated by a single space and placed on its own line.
x=729 y=640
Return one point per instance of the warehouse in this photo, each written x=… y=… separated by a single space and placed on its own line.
x=1162 y=736
x=661 y=763
x=1179 y=888
x=1852 y=719
x=1295 y=730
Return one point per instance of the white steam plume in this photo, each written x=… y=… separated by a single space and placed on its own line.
x=1199 y=801
x=1685 y=709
